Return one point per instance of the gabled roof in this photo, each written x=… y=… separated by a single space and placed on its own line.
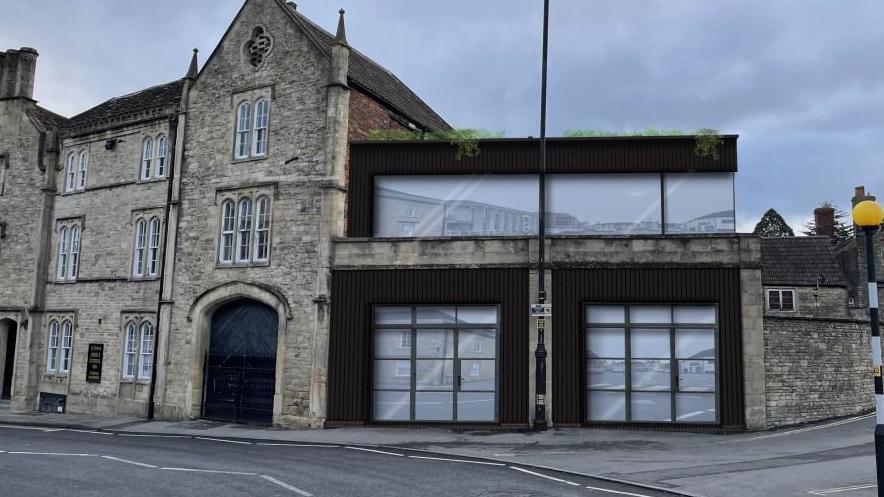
x=800 y=261
x=48 y=119
x=372 y=78
x=141 y=102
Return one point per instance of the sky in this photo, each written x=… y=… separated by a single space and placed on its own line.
x=798 y=80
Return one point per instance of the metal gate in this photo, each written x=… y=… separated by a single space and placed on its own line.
x=241 y=363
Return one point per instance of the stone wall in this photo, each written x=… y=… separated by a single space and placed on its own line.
x=816 y=369
x=812 y=302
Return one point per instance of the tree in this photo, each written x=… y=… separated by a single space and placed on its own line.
x=772 y=224
x=842 y=231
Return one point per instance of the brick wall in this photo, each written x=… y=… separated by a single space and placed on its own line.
x=366 y=114
x=816 y=369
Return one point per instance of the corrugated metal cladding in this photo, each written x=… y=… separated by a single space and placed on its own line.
x=350 y=341
x=573 y=288
x=520 y=156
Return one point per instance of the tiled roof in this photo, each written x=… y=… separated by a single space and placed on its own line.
x=800 y=260
x=153 y=98
x=379 y=82
x=47 y=118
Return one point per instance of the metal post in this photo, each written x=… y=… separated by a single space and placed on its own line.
x=540 y=351
x=876 y=356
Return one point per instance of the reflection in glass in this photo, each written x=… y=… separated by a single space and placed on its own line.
x=434 y=375
x=650 y=343
x=696 y=376
x=694 y=314
x=695 y=344
x=653 y=375
x=477 y=375
x=606 y=374
x=475 y=406
x=442 y=205
x=695 y=407
x=392 y=315
x=435 y=343
x=477 y=315
x=656 y=314
x=699 y=203
x=392 y=343
x=605 y=314
x=477 y=344
x=391 y=406
x=392 y=374
x=650 y=406
x=606 y=342
x=606 y=406
x=433 y=406
x=603 y=204
x=436 y=315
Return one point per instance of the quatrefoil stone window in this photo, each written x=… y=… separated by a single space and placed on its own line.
x=258 y=46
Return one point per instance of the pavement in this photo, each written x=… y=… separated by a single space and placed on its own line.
x=833 y=458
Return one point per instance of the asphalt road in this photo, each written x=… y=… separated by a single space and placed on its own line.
x=39 y=462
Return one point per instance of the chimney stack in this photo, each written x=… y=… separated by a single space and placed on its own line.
x=859 y=194
x=17 y=69
x=824 y=219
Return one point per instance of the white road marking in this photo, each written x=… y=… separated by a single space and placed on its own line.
x=617 y=492
x=287 y=486
x=223 y=440
x=215 y=471
x=519 y=454
x=545 y=476
x=50 y=454
x=93 y=432
x=36 y=428
x=294 y=445
x=812 y=428
x=150 y=436
x=375 y=451
x=841 y=489
x=127 y=461
x=458 y=460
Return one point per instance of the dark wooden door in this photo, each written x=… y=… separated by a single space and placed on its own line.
x=9 y=353
x=241 y=363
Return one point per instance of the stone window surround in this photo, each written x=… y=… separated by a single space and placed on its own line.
x=768 y=290
x=250 y=95
x=4 y=165
x=253 y=192
x=147 y=215
x=60 y=317
x=155 y=157
x=72 y=160
x=138 y=318
x=68 y=222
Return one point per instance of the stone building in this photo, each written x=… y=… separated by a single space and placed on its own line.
x=229 y=246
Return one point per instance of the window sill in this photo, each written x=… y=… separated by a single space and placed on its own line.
x=72 y=192
x=140 y=181
x=219 y=265
x=55 y=376
x=144 y=278
x=249 y=159
x=133 y=381
x=64 y=282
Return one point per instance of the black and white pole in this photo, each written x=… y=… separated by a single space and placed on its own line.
x=540 y=352
x=876 y=355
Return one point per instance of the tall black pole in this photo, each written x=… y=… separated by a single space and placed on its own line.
x=540 y=351
x=876 y=356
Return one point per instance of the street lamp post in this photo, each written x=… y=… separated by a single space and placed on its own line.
x=868 y=215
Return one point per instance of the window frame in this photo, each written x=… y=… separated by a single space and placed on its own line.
x=227 y=233
x=139 y=250
x=82 y=169
x=74 y=254
x=258 y=215
x=242 y=136
x=68 y=250
x=65 y=352
x=53 y=342
x=146 y=162
x=70 y=173
x=135 y=330
x=244 y=230
x=130 y=356
x=779 y=291
x=237 y=238
x=262 y=126
x=162 y=146
x=61 y=255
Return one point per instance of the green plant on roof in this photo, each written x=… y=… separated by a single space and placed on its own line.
x=708 y=141
x=464 y=140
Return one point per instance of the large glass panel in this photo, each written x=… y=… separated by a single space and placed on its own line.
x=694 y=314
x=699 y=203
x=436 y=315
x=464 y=205
x=605 y=342
x=656 y=314
x=391 y=406
x=477 y=344
x=603 y=204
x=435 y=343
x=392 y=374
x=695 y=407
x=477 y=375
x=695 y=344
x=606 y=374
x=433 y=406
x=651 y=406
x=477 y=315
x=653 y=375
x=650 y=343
x=475 y=406
x=435 y=375
x=696 y=376
x=392 y=315
x=606 y=406
x=392 y=343
x=605 y=314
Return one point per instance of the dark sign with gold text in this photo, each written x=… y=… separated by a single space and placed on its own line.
x=93 y=362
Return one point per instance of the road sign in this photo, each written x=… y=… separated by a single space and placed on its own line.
x=541 y=323
x=541 y=310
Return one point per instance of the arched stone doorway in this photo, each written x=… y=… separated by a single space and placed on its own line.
x=8 y=335
x=240 y=375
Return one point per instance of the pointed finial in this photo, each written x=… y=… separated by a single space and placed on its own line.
x=192 y=71
x=341 y=36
